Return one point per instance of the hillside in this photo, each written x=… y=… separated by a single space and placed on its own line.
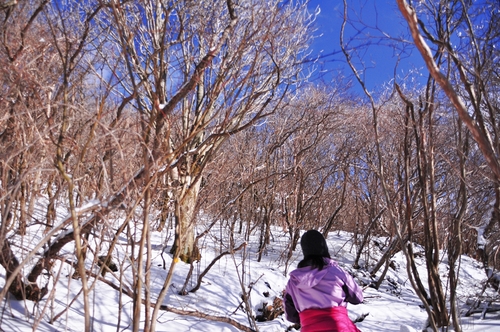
x=394 y=307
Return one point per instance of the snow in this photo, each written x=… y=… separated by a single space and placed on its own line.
x=394 y=307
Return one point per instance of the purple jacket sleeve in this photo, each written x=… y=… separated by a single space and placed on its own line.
x=291 y=312
x=353 y=293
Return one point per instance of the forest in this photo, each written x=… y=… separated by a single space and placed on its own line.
x=125 y=118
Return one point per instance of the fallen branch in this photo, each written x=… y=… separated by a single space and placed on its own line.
x=482 y=310
x=198 y=284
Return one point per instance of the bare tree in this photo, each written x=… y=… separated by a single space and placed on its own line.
x=202 y=81
x=28 y=67
x=160 y=85
x=470 y=83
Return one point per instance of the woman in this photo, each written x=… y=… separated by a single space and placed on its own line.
x=317 y=293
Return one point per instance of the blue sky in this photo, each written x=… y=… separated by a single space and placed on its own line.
x=376 y=18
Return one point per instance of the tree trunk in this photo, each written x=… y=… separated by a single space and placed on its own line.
x=20 y=290
x=185 y=224
x=265 y=232
x=366 y=236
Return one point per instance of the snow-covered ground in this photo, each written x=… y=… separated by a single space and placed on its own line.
x=394 y=307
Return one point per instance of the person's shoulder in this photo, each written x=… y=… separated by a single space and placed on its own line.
x=300 y=271
x=331 y=262
x=334 y=267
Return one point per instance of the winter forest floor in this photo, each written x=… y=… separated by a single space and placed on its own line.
x=394 y=307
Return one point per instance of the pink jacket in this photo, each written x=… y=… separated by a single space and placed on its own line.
x=320 y=291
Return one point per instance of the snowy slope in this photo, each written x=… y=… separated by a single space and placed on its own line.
x=394 y=307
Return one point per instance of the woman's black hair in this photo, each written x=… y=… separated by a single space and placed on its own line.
x=314 y=261
x=314 y=248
